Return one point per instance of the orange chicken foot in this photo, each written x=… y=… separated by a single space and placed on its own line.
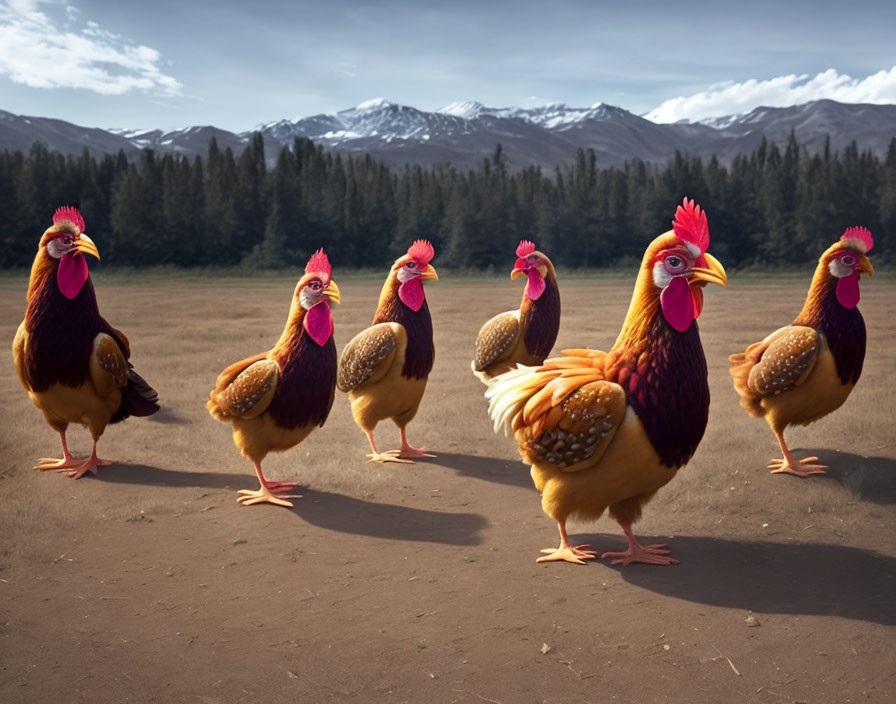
x=266 y=492
x=790 y=465
x=387 y=456
x=649 y=554
x=71 y=467
x=566 y=553
x=408 y=451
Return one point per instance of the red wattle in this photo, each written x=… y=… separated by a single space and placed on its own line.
x=848 y=290
x=536 y=285
x=677 y=303
x=411 y=293
x=318 y=323
x=71 y=274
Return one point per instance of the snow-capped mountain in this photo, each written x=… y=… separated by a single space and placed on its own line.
x=464 y=133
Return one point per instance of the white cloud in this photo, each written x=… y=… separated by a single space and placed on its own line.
x=734 y=98
x=35 y=51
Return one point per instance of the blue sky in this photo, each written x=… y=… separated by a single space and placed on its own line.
x=236 y=65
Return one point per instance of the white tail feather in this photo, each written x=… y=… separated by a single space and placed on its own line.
x=506 y=398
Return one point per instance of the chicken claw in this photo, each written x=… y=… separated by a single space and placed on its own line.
x=568 y=554
x=801 y=468
x=388 y=456
x=266 y=495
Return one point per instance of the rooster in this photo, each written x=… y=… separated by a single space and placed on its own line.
x=608 y=429
x=385 y=367
x=523 y=336
x=276 y=398
x=72 y=363
x=805 y=370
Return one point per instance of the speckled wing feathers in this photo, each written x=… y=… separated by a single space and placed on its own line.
x=786 y=361
x=108 y=366
x=494 y=338
x=364 y=356
x=250 y=392
x=576 y=430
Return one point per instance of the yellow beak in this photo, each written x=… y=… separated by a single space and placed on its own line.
x=713 y=274
x=85 y=244
x=517 y=273
x=332 y=292
x=865 y=266
x=429 y=273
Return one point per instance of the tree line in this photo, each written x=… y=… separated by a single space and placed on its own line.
x=777 y=206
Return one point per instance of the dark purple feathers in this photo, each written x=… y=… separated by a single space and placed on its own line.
x=670 y=393
x=307 y=382
x=542 y=320
x=421 y=352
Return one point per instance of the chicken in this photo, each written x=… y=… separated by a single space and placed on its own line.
x=384 y=368
x=72 y=363
x=608 y=429
x=275 y=399
x=523 y=336
x=806 y=370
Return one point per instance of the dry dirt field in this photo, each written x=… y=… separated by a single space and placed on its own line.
x=418 y=583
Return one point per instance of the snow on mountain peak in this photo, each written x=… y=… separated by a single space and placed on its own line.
x=466 y=109
x=373 y=104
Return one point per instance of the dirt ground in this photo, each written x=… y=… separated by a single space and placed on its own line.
x=418 y=583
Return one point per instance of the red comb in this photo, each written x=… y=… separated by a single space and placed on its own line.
x=525 y=248
x=422 y=251
x=67 y=212
x=690 y=225
x=319 y=264
x=862 y=234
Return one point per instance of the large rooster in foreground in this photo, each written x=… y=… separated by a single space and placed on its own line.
x=72 y=363
x=526 y=335
x=385 y=367
x=608 y=429
x=276 y=398
x=807 y=369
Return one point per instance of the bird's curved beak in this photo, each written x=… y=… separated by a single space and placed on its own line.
x=332 y=292
x=429 y=273
x=865 y=266
x=85 y=244
x=713 y=272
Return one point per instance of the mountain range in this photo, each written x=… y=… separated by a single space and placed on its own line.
x=464 y=133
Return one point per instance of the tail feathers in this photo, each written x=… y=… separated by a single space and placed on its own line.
x=507 y=394
x=137 y=398
x=741 y=365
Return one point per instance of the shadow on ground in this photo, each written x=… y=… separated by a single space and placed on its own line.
x=765 y=577
x=871 y=479
x=155 y=476
x=348 y=514
x=509 y=471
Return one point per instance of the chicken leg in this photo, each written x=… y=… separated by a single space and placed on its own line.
x=649 y=554
x=266 y=492
x=789 y=465
x=566 y=553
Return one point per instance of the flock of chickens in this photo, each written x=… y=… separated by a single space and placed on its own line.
x=601 y=430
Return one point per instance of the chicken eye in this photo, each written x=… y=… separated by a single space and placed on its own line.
x=674 y=263
x=532 y=258
x=314 y=286
x=849 y=260
x=411 y=265
x=66 y=240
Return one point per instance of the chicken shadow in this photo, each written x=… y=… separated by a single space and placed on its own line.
x=508 y=471
x=766 y=577
x=166 y=416
x=156 y=476
x=871 y=479
x=346 y=514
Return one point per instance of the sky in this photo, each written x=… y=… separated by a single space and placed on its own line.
x=236 y=65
